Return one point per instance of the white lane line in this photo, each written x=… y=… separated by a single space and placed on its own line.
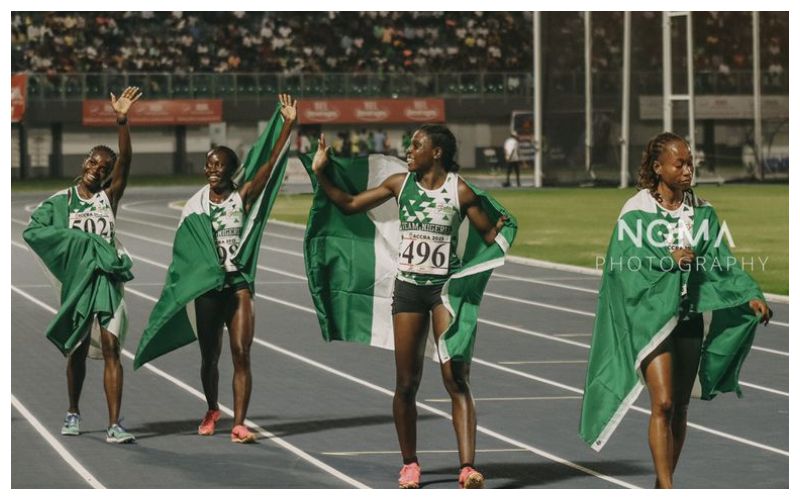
x=431 y=409
x=484 y=321
x=521 y=398
x=765 y=389
x=544 y=264
x=584 y=313
x=527 y=261
x=779 y=323
x=771 y=351
x=532 y=333
x=636 y=408
x=538 y=304
x=419 y=452
x=436 y=411
x=127 y=208
x=501 y=368
x=553 y=362
x=312 y=311
x=264 y=432
x=546 y=283
x=170 y=228
x=572 y=334
x=52 y=441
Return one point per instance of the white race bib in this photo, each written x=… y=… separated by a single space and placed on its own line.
x=227 y=246
x=92 y=221
x=424 y=253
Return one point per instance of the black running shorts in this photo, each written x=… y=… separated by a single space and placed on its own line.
x=412 y=298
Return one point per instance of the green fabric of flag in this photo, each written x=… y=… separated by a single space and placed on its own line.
x=89 y=269
x=195 y=267
x=351 y=261
x=640 y=303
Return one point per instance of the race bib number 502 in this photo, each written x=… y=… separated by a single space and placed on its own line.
x=92 y=222
x=424 y=253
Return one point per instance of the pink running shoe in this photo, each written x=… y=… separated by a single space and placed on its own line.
x=470 y=478
x=241 y=434
x=209 y=423
x=409 y=476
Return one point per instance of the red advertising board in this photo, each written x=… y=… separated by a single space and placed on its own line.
x=159 y=112
x=19 y=91
x=358 y=111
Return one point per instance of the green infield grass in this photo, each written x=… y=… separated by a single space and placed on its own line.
x=573 y=225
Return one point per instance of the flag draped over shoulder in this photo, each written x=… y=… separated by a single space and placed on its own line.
x=351 y=261
x=90 y=270
x=640 y=304
x=195 y=267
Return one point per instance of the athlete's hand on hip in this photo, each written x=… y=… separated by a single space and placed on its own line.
x=760 y=308
x=500 y=223
x=321 y=156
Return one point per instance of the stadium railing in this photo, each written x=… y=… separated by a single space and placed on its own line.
x=79 y=86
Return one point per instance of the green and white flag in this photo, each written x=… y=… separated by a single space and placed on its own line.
x=351 y=261
x=90 y=272
x=643 y=296
x=195 y=267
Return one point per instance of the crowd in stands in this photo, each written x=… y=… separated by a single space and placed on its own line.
x=292 y=42
x=384 y=43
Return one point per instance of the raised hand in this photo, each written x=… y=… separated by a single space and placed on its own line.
x=123 y=104
x=288 y=107
x=321 y=156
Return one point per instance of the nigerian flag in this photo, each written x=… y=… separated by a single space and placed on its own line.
x=195 y=267
x=644 y=295
x=90 y=272
x=351 y=261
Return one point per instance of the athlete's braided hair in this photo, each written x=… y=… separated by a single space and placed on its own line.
x=442 y=137
x=648 y=179
x=230 y=156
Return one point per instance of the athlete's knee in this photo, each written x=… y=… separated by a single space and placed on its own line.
x=209 y=361
x=240 y=352
x=663 y=407
x=456 y=385
x=406 y=387
x=680 y=410
x=76 y=360
x=111 y=350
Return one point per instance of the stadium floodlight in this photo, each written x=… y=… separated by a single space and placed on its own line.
x=587 y=54
x=537 y=98
x=757 y=139
x=625 y=136
x=669 y=97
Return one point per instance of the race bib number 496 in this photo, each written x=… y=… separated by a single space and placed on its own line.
x=424 y=253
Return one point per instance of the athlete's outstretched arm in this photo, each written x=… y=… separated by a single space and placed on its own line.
x=119 y=174
x=250 y=191
x=347 y=203
x=476 y=215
